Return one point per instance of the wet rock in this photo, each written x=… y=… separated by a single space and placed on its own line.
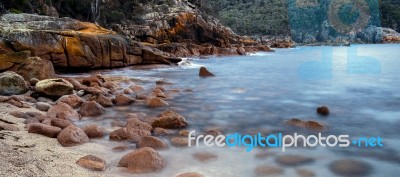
x=19 y=114
x=205 y=73
x=92 y=163
x=158 y=92
x=120 y=148
x=72 y=136
x=46 y=130
x=294 y=160
x=267 y=170
x=63 y=111
x=141 y=96
x=12 y=84
x=8 y=127
x=54 y=87
x=73 y=100
x=91 y=109
x=35 y=67
x=119 y=134
x=180 y=141
x=128 y=91
x=143 y=160
x=43 y=106
x=184 y=132
x=350 y=168
x=137 y=124
x=135 y=135
x=156 y=102
x=136 y=88
x=162 y=132
x=305 y=173
x=151 y=141
x=170 y=120
x=95 y=79
x=61 y=123
x=323 y=110
x=94 y=131
x=163 y=82
x=123 y=100
x=311 y=125
x=189 y=174
x=205 y=156
x=102 y=100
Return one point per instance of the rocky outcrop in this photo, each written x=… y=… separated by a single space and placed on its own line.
x=70 y=43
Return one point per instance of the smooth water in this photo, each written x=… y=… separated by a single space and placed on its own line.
x=257 y=93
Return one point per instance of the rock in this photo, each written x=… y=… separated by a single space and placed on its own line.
x=162 y=132
x=91 y=109
x=12 y=84
x=323 y=110
x=128 y=91
x=135 y=135
x=137 y=124
x=189 y=174
x=92 y=163
x=61 y=123
x=293 y=160
x=63 y=111
x=54 y=87
x=72 y=136
x=8 y=127
x=34 y=81
x=43 y=106
x=180 y=141
x=143 y=160
x=119 y=134
x=170 y=120
x=205 y=73
x=46 y=130
x=95 y=79
x=136 y=88
x=31 y=120
x=205 y=156
x=311 y=125
x=19 y=114
x=350 y=167
x=267 y=170
x=35 y=67
x=34 y=114
x=94 y=131
x=151 y=141
x=156 y=102
x=120 y=148
x=102 y=100
x=123 y=100
x=73 y=100
x=80 y=93
x=305 y=173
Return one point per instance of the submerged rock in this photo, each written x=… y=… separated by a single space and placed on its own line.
x=205 y=73
x=156 y=102
x=92 y=163
x=170 y=120
x=143 y=160
x=311 y=125
x=350 y=167
x=153 y=142
x=54 y=87
x=189 y=174
x=205 y=156
x=123 y=100
x=323 y=110
x=72 y=136
x=12 y=84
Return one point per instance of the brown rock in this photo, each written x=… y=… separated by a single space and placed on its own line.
x=162 y=132
x=136 y=88
x=293 y=160
x=137 y=124
x=305 y=173
x=91 y=109
x=46 y=130
x=143 y=160
x=123 y=100
x=128 y=91
x=43 y=106
x=63 y=111
x=19 y=114
x=189 y=174
x=119 y=134
x=8 y=127
x=205 y=156
x=180 y=141
x=92 y=163
x=205 y=73
x=35 y=67
x=350 y=167
x=156 y=102
x=33 y=81
x=102 y=100
x=151 y=141
x=98 y=79
x=34 y=114
x=135 y=135
x=311 y=125
x=170 y=120
x=54 y=87
x=266 y=170
x=94 y=131
x=61 y=123
x=31 y=120
x=73 y=100
x=323 y=110
x=120 y=148
x=72 y=136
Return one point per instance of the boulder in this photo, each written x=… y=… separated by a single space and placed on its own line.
x=323 y=110
x=123 y=100
x=350 y=167
x=135 y=135
x=12 y=84
x=54 y=87
x=156 y=102
x=94 y=131
x=61 y=123
x=135 y=123
x=102 y=100
x=119 y=134
x=91 y=108
x=92 y=163
x=46 y=130
x=170 y=120
x=42 y=106
x=72 y=136
x=205 y=73
x=63 y=111
x=143 y=160
x=35 y=67
x=151 y=141
x=73 y=100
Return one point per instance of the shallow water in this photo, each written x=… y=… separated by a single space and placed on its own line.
x=257 y=93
